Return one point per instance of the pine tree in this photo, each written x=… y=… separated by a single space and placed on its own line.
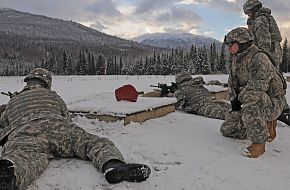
x=121 y=65
x=116 y=68
x=83 y=64
x=110 y=66
x=285 y=58
x=78 y=65
x=70 y=69
x=222 y=62
x=204 y=61
x=101 y=65
x=91 y=64
x=64 y=63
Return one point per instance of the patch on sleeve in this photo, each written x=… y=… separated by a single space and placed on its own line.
x=254 y=71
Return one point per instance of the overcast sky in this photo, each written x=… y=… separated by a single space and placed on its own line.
x=131 y=18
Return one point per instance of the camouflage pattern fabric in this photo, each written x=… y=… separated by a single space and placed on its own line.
x=194 y=98
x=255 y=81
x=2 y=108
x=264 y=37
x=39 y=129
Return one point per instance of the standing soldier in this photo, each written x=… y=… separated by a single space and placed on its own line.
x=265 y=30
x=266 y=33
x=256 y=91
x=36 y=127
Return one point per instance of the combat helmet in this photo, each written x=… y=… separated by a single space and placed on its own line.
x=41 y=74
x=250 y=4
x=240 y=35
x=181 y=77
x=198 y=80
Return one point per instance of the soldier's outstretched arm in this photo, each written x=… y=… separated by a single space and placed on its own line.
x=181 y=98
x=2 y=108
x=64 y=110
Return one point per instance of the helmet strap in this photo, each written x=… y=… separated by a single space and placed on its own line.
x=244 y=46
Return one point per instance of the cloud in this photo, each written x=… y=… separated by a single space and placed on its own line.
x=98 y=26
x=129 y=18
x=179 y=18
x=105 y=8
x=145 y=6
x=208 y=32
x=52 y=8
x=224 y=5
x=166 y=16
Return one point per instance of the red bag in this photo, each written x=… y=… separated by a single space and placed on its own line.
x=126 y=92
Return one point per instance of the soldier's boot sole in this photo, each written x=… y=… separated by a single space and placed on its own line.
x=131 y=173
x=7 y=177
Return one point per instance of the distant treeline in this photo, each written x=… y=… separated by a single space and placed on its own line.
x=197 y=60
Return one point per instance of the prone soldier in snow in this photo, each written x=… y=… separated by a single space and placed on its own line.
x=36 y=127
x=194 y=98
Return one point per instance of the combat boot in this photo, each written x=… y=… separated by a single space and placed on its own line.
x=255 y=150
x=7 y=176
x=116 y=172
x=271 y=125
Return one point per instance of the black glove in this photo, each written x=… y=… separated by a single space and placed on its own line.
x=236 y=104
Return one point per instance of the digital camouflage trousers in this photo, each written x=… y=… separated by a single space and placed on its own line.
x=32 y=145
x=250 y=121
x=213 y=109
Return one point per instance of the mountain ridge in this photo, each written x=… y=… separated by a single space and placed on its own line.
x=19 y=23
x=30 y=38
x=175 y=40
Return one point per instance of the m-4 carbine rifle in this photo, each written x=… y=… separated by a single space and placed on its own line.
x=10 y=94
x=165 y=89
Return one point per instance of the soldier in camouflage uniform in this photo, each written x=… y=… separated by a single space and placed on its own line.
x=36 y=127
x=256 y=91
x=194 y=98
x=266 y=33
x=265 y=30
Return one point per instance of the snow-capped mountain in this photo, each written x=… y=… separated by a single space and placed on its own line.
x=35 y=36
x=28 y=25
x=172 y=40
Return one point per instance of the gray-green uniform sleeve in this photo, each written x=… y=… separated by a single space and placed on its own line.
x=4 y=120
x=180 y=95
x=262 y=33
x=64 y=110
x=231 y=88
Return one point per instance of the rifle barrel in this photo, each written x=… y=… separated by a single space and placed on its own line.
x=4 y=93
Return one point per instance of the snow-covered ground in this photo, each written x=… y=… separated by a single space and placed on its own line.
x=184 y=151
